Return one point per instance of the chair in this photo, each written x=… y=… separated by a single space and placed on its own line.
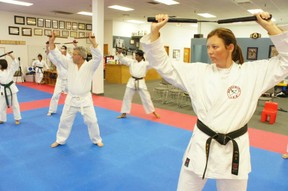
x=161 y=91
x=269 y=112
x=185 y=100
x=173 y=95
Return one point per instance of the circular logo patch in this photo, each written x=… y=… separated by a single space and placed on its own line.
x=233 y=92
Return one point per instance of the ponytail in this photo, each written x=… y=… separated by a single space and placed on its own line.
x=237 y=55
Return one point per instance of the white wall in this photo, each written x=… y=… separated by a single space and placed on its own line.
x=108 y=35
x=178 y=37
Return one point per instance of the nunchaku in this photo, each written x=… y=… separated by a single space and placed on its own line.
x=74 y=41
x=223 y=21
x=54 y=43
x=6 y=54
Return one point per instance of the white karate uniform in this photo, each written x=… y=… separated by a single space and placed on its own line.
x=6 y=76
x=39 y=69
x=60 y=85
x=138 y=70
x=79 y=97
x=224 y=100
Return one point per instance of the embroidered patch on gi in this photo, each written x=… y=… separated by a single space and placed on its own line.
x=187 y=161
x=233 y=92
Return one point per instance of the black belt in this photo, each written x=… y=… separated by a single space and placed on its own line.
x=5 y=92
x=137 y=78
x=223 y=139
x=40 y=68
x=136 y=84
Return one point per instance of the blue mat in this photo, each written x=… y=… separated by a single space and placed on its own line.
x=26 y=94
x=138 y=155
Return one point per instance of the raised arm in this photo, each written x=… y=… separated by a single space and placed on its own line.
x=15 y=63
x=92 y=39
x=52 y=42
x=264 y=21
x=96 y=53
x=155 y=27
x=122 y=58
x=55 y=55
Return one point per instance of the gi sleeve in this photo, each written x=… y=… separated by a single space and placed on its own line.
x=96 y=58
x=124 y=60
x=57 y=58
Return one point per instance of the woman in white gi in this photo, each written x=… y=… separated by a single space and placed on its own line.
x=224 y=96
x=79 y=98
x=138 y=69
x=8 y=89
x=61 y=81
x=39 y=65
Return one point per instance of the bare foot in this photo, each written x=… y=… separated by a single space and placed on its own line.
x=156 y=115
x=55 y=144
x=123 y=115
x=285 y=156
x=100 y=144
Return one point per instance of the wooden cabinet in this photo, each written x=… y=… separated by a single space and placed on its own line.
x=50 y=77
x=119 y=74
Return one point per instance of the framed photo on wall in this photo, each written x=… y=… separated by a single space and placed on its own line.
x=26 y=31
x=65 y=33
x=252 y=53
x=40 y=22
x=176 y=54
x=81 y=26
x=38 y=32
x=68 y=25
x=73 y=34
x=81 y=34
x=14 y=30
x=74 y=26
x=47 y=23
x=47 y=32
x=55 y=24
x=19 y=20
x=61 y=24
x=272 y=51
x=89 y=27
x=31 y=21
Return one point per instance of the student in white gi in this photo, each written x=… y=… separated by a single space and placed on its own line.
x=138 y=69
x=8 y=89
x=61 y=81
x=224 y=96
x=79 y=98
x=39 y=66
x=64 y=50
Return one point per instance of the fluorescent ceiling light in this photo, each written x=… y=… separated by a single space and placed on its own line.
x=167 y=2
x=206 y=15
x=85 y=13
x=135 y=21
x=255 y=11
x=22 y=3
x=121 y=8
